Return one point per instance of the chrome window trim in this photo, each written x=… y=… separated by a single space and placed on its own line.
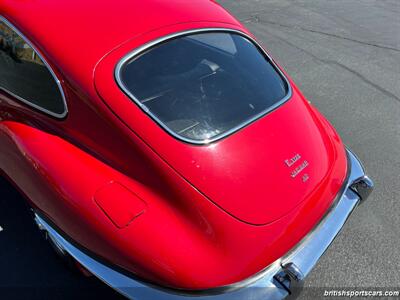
x=58 y=82
x=141 y=49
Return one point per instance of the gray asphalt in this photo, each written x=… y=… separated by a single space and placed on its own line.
x=345 y=57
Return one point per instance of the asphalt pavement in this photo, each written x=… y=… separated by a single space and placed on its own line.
x=345 y=57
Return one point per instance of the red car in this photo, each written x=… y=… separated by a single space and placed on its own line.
x=163 y=150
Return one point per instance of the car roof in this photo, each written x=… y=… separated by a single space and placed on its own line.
x=74 y=35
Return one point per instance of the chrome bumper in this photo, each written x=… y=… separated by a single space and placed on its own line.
x=280 y=279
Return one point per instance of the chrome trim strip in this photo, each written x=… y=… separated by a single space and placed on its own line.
x=297 y=263
x=27 y=102
x=143 y=48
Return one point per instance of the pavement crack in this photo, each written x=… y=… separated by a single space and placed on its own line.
x=350 y=70
x=256 y=19
x=363 y=78
x=252 y=19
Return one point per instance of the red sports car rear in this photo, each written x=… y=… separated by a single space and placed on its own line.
x=168 y=154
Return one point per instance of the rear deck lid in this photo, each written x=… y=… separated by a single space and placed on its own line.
x=215 y=107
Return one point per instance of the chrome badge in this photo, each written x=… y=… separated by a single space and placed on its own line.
x=299 y=168
x=291 y=161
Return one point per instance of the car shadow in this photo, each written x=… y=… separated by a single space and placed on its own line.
x=29 y=267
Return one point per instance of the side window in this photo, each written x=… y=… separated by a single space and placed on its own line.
x=24 y=75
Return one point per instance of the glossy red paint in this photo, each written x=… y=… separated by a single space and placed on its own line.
x=215 y=214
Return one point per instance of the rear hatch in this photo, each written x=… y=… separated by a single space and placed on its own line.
x=215 y=107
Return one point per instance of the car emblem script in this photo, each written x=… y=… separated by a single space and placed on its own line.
x=297 y=170
x=291 y=161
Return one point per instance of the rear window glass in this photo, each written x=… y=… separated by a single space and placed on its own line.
x=203 y=86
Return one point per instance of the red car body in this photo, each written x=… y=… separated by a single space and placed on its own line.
x=174 y=214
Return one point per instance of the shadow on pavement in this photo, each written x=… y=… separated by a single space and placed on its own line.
x=29 y=267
